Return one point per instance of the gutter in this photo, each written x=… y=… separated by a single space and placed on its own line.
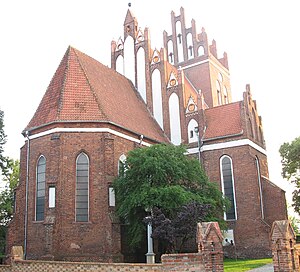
x=26 y=134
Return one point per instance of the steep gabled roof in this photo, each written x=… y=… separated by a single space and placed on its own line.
x=223 y=121
x=84 y=90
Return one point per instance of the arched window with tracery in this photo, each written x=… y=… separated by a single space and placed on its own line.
x=82 y=188
x=227 y=182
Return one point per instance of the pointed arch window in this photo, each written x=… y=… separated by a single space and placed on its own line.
x=200 y=50
x=218 y=86
x=82 y=188
x=190 y=46
x=260 y=187
x=225 y=95
x=191 y=129
x=40 y=189
x=254 y=124
x=227 y=181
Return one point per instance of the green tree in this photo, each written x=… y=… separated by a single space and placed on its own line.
x=2 y=142
x=7 y=195
x=11 y=178
x=290 y=159
x=163 y=177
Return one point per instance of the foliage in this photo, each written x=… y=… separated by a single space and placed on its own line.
x=162 y=176
x=290 y=159
x=2 y=141
x=231 y=265
x=7 y=199
x=7 y=195
x=295 y=224
x=182 y=227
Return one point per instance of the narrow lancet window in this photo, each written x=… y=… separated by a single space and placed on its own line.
x=227 y=179
x=40 y=189
x=82 y=188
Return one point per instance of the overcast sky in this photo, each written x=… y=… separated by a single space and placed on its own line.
x=261 y=38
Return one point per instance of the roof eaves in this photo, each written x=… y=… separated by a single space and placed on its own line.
x=223 y=136
x=27 y=132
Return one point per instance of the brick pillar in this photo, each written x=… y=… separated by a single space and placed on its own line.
x=48 y=224
x=284 y=251
x=209 y=239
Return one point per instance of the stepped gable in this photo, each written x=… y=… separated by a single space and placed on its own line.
x=84 y=90
x=223 y=121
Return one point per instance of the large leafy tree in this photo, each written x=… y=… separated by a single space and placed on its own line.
x=290 y=159
x=162 y=177
x=9 y=174
x=11 y=178
x=2 y=142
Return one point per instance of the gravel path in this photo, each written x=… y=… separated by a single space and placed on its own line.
x=265 y=268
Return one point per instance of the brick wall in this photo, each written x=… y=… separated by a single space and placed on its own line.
x=5 y=268
x=208 y=258
x=59 y=237
x=284 y=249
x=251 y=234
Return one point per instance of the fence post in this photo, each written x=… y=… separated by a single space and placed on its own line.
x=284 y=250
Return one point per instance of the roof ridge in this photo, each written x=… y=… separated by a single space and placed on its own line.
x=88 y=81
x=64 y=83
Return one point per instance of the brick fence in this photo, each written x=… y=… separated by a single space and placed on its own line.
x=285 y=251
x=209 y=258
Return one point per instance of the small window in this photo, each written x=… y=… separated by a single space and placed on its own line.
x=191 y=134
x=218 y=86
x=112 y=197
x=192 y=127
x=200 y=50
x=51 y=197
x=122 y=165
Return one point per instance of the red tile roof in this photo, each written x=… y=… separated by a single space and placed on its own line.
x=84 y=90
x=223 y=121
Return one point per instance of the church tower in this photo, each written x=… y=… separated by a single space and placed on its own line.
x=199 y=60
x=187 y=90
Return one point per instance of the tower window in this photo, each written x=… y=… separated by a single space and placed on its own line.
x=191 y=134
x=171 y=57
x=179 y=37
x=225 y=95
x=227 y=179
x=82 y=188
x=200 y=50
x=40 y=189
x=218 y=86
x=191 y=50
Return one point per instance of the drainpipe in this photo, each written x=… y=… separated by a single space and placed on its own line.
x=26 y=195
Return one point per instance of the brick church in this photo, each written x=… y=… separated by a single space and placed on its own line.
x=91 y=116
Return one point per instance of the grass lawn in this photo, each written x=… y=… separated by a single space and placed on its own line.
x=231 y=265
